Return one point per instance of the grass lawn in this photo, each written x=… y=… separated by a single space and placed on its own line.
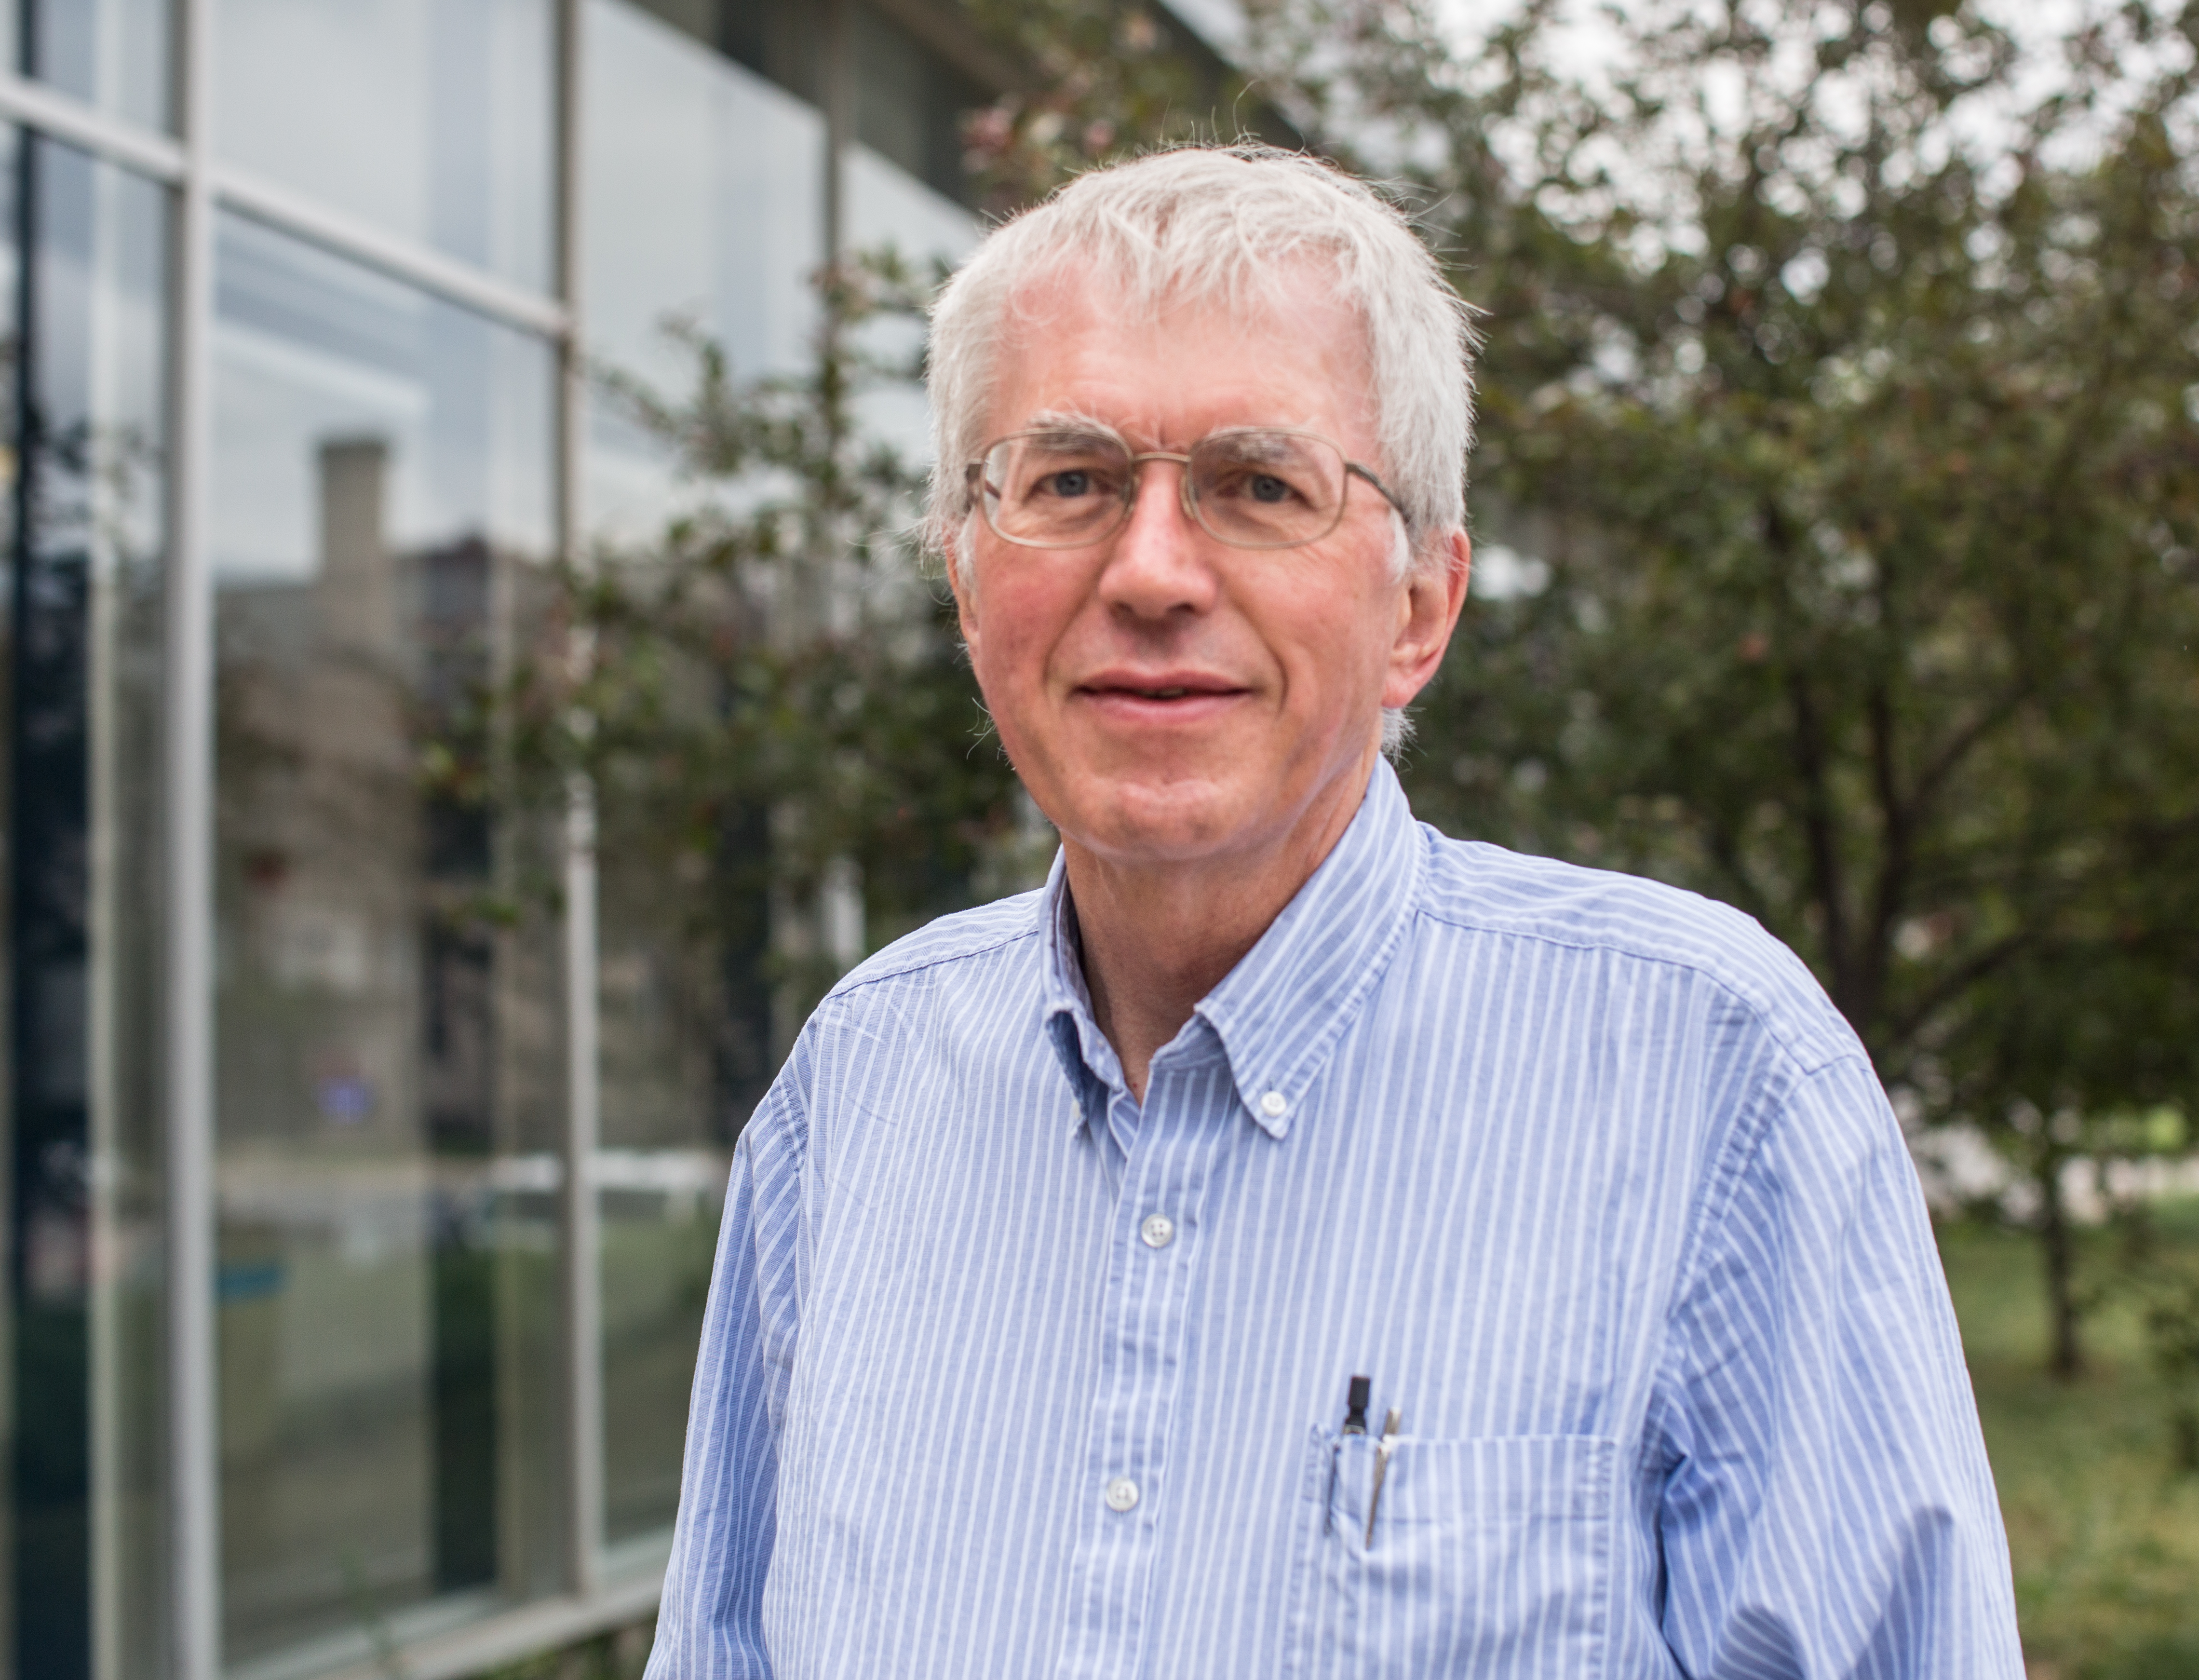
x=2105 y=1538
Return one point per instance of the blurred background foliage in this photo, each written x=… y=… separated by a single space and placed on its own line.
x=1843 y=402
x=1837 y=506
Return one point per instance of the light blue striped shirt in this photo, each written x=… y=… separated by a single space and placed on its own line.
x=1002 y=1375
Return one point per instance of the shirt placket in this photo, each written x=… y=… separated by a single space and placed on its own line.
x=1127 y=1494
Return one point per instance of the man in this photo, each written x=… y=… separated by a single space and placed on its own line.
x=1293 y=1242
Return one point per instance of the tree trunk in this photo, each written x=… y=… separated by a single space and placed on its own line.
x=2066 y=1358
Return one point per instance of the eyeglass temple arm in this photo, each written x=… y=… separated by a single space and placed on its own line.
x=971 y=477
x=1388 y=494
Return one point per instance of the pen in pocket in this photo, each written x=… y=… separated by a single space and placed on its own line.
x=1390 y=1426
x=1354 y=1423
x=1355 y=1405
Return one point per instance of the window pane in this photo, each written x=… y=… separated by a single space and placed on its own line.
x=890 y=209
x=704 y=188
x=910 y=103
x=887 y=206
x=114 y=54
x=909 y=99
x=705 y=184
x=705 y=192
x=431 y=119
x=84 y=256
x=389 y=1038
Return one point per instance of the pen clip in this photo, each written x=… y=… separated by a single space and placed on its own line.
x=1390 y=1425
x=1355 y=1405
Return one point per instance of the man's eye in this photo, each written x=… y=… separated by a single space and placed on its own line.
x=1072 y=481
x=1252 y=485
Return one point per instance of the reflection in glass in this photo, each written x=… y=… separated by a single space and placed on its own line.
x=886 y=206
x=388 y=1044
x=909 y=100
x=430 y=118
x=85 y=260
x=112 y=54
x=889 y=209
x=910 y=103
x=704 y=183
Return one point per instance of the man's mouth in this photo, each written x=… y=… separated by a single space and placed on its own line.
x=1189 y=688
x=1137 y=699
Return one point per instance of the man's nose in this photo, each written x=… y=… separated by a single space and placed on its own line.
x=1160 y=562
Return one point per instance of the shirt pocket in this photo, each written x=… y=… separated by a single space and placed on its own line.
x=1490 y=1557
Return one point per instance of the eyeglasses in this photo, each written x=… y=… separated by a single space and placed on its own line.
x=1250 y=486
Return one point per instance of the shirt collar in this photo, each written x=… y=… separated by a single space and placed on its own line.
x=1280 y=1011
x=1086 y=1056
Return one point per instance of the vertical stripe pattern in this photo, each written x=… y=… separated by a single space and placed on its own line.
x=1004 y=1372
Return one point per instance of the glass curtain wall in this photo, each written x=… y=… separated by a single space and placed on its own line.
x=83 y=273
x=386 y=490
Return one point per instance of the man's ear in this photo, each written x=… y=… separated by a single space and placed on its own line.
x=1428 y=606
x=965 y=605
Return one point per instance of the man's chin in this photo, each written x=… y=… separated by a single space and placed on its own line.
x=1134 y=820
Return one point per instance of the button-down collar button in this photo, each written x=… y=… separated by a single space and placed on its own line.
x=1122 y=1494
x=1158 y=1230
x=1274 y=1105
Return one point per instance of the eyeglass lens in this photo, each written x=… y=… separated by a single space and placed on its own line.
x=1253 y=487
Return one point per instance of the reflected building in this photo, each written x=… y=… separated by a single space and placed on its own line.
x=366 y=1098
x=364 y=1146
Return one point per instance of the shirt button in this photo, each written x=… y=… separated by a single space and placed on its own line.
x=1159 y=1231
x=1122 y=1494
x=1273 y=1104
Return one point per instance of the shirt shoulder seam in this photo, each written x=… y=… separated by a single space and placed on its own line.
x=858 y=982
x=1781 y=1036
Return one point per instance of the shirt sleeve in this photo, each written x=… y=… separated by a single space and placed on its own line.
x=709 y=1624
x=1825 y=1505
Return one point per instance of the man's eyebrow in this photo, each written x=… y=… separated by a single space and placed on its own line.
x=1262 y=444
x=1065 y=420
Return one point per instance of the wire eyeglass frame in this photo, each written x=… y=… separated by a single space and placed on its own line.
x=977 y=488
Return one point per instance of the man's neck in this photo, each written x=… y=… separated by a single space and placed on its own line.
x=1157 y=938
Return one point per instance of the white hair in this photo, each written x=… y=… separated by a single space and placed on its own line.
x=1232 y=225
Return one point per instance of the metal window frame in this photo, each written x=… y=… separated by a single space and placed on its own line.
x=582 y=1209
x=187 y=811
x=185 y=161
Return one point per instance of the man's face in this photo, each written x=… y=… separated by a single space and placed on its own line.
x=1166 y=697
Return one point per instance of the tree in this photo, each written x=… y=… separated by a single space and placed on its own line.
x=1845 y=396
x=1110 y=79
